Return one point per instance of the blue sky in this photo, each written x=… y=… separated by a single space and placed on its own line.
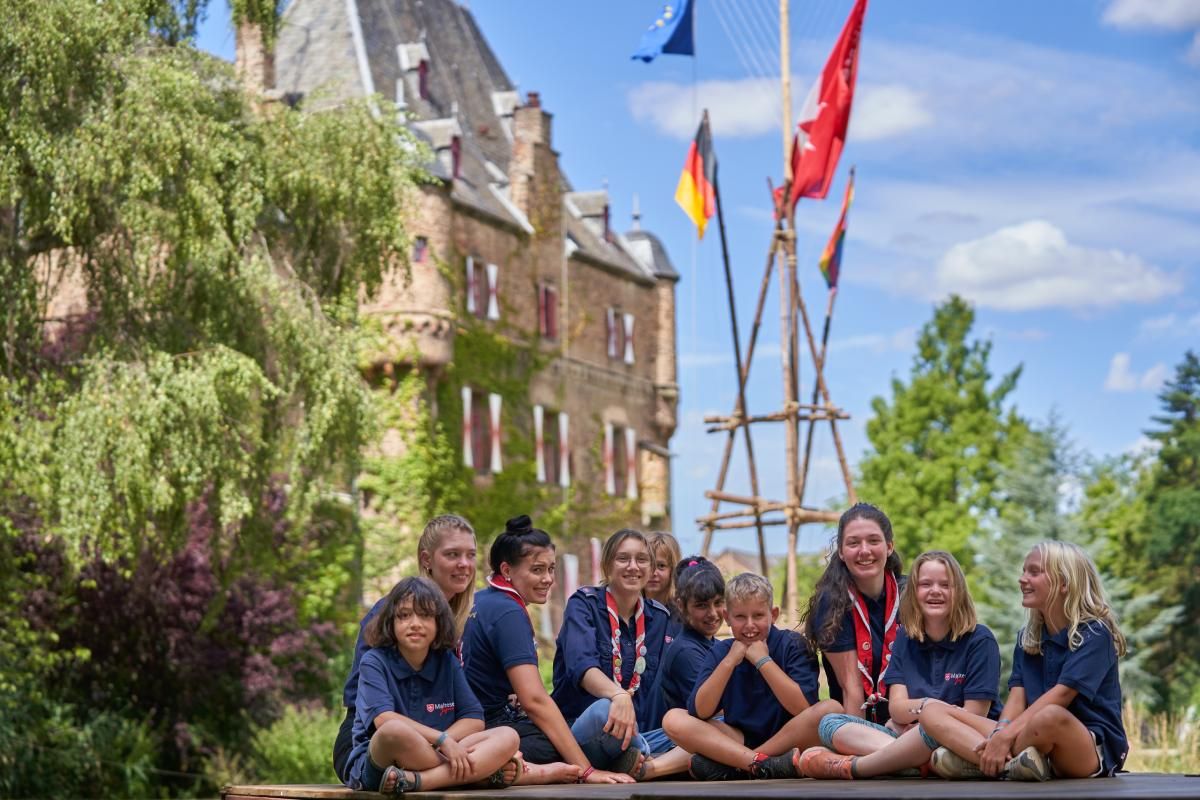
x=1041 y=159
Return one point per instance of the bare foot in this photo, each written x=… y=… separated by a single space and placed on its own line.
x=539 y=774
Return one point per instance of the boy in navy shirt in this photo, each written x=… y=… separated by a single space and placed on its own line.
x=765 y=682
x=413 y=704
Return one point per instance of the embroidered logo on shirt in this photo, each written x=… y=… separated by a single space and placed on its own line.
x=441 y=708
x=958 y=678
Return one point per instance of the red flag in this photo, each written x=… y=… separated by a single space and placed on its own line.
x=826 y=114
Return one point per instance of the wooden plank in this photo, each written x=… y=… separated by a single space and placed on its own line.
x=1142 y=786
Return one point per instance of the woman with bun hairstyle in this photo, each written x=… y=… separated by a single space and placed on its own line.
x=609 y=648
x=446 y=555
x=501 y=659
x=853 y=614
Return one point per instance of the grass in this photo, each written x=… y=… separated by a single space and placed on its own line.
x=1162 y=742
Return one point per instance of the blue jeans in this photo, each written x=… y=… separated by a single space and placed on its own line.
x=602 y=749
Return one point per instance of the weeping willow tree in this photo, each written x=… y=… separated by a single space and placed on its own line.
x=180 y=273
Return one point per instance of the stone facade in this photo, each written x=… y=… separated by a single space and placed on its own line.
x=500 y=202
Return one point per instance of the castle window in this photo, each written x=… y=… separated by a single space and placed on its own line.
x=619 y=335
x=420 y=249
x=482 y=289
x=551 y=449
x=620 y=461
x=548 y=312
x=481 y=431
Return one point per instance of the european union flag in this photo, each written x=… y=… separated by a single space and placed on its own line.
x=670 y=33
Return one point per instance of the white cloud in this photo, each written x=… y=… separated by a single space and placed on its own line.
x=1032 y=265
x=1171 y=14
x=900 y=341
x=884 y=112
x=1122 y=379
x=1171 y=325
x=1178 y=15
x=750 y=107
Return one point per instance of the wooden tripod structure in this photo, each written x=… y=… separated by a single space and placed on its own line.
x=754 y=510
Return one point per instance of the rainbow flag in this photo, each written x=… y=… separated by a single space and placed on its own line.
x=831 y=258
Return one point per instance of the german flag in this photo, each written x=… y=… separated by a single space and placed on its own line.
x=696 y=192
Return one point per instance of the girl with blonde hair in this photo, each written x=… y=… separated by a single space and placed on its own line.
x=1063 y=715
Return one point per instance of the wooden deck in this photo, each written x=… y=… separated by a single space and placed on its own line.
x=1141 y=786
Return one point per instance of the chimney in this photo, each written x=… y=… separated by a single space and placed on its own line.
x=254 y=61
x=531 y=136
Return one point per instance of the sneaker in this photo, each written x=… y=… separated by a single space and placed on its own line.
x=627 y=762
x=951 y=766
x=703 y=768
x=774 y=767
x=824 y=764
x=1028 y=765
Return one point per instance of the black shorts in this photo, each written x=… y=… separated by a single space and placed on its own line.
x=342 y=746
x=536 y=747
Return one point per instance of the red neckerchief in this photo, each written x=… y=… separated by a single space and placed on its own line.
x=505 y=585
x=639 y=644
x=875 y=691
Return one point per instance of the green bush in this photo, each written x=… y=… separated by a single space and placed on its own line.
x=298 y=748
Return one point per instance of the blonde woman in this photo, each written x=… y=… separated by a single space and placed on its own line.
x=1063 y=715
x=941 y=655
x=664 y=555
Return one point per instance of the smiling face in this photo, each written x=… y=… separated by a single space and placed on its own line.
x=750 y=620
x=864 y=551
x=660 y=577
x=935 y=591
x=630 y=566
x=1037 y=593
x=705 y=615
x=414 y=631
x=533 y=576
x=452 y=562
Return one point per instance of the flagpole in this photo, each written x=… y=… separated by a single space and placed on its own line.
x=737 y=364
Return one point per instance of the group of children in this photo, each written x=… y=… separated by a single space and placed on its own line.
x=445 y=688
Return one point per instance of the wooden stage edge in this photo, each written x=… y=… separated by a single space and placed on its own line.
x=1140 y=786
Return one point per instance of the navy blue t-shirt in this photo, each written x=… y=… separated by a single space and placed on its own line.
x=437 y=695
x=953 y=671
x=748 y=702
x=360 y=649
x=498 y=636
x=585 y=641
x=1091 y=670
x=680 y=665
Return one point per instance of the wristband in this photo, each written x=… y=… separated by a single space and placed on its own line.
x=924 y=700
x=758 y=665
x=583 y=776
x=441 y=740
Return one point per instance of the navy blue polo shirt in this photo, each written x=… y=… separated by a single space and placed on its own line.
x=1091 y=670
x=585 y=641
x=360 y=649
x=843 y=641
x=436 y=695
x=953 y=671
x=748 y=702
x=498 y=636
x=680 y=665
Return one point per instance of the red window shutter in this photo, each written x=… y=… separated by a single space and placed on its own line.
x=551 y=312
x=423 y=80
x=541 y=295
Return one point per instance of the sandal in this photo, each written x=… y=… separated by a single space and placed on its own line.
x=497 y=780
x=402 y=784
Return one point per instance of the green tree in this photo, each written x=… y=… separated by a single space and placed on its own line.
x=1172 y=552
x=939 y=443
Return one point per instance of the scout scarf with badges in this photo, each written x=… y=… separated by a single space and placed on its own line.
x=505 y=585
x=875 y=691
x=639 y=644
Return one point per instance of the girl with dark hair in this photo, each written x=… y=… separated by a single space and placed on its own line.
x=853 y=614
x=609 y=649
x=500 y=653
x=446 y=555
x=699 y=599
x=418 y=725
